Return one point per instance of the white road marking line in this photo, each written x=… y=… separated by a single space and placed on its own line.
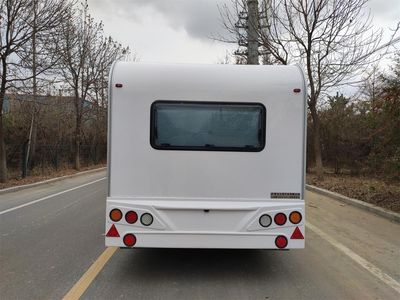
x=358 y=259
x=49 y=196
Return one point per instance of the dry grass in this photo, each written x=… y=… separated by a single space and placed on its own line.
x=43 y=174
x=376 y=191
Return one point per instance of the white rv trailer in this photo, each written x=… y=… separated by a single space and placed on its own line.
x=206 y=156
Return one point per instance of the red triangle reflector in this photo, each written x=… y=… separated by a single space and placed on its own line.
x=113 y=232
x=297 y=235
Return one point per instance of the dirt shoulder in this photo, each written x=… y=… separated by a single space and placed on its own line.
x=372 y=190
x=49 y=175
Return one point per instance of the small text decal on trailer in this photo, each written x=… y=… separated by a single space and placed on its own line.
x=285 y=195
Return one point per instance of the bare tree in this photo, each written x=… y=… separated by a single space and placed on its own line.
x=108 y=52
x=86 y=56
x=333 y=40
x=17 y=26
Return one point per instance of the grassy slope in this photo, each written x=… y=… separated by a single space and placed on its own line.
x=372 y=190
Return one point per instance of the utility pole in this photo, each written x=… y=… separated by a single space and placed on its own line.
x=248 y=28
x=252 y=32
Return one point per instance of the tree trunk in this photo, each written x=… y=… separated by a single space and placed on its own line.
x=32 y=154
x=3 y=162
x=317 y=143
x=33 y=137
x=78 y=127
x=3 y=157
x=77 y=154
x=25 y=159
x=78 y=140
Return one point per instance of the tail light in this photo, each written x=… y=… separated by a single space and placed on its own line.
x=115 y=215
x=131 y=217
x=280 y=219
x=129 y=240
x=295 y=217
x=281 y=241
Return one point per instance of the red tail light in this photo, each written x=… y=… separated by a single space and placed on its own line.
x=131 y=217
x=129 y=240
x=280 y=219
x=281 y=241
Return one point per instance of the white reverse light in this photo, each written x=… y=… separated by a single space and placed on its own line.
x=146 y=219
x=265 y=220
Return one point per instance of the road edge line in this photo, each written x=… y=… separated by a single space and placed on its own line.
x=382 y=212
x=374 y=270
x=29 y=185
x=87 y=278
x=49 y=196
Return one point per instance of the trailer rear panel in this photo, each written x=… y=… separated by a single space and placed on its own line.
x=210 y=152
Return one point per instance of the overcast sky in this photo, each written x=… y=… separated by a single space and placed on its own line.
x=180 y=30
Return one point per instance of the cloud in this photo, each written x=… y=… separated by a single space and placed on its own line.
x=180 y=30
x=199 y=18
x=385 y=11
x=160 y=33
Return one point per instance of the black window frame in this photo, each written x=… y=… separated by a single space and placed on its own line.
x=208 y=148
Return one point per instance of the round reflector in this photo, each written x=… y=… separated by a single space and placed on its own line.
x=295 y=217
x=131 y=217
x=281 y=241
x=265 y=220
x=129 y=240
x=280 y=219
x=115 y=215
x=146 y=219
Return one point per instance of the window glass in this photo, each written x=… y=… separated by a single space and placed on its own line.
x=208 y=126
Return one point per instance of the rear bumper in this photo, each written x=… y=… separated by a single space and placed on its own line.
x=216 y=240
x=206 y=224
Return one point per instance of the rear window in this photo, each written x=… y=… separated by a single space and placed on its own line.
x=207 y=126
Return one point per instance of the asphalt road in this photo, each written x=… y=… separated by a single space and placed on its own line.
x=46 y=246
